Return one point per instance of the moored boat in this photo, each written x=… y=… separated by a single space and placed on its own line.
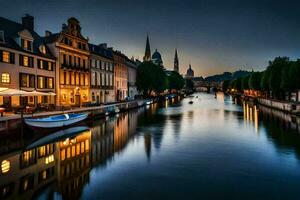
x=56 y=120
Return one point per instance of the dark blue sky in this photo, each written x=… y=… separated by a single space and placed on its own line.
x=214 y=36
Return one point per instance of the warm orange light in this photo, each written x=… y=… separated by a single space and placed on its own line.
x=5 y=166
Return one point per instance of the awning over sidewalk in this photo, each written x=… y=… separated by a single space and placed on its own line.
x=16 y=92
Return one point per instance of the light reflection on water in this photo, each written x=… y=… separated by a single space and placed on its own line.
x=173 y=150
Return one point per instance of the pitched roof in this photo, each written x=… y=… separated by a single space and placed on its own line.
x=51 y=38
x=11 y=32
x=98 y=50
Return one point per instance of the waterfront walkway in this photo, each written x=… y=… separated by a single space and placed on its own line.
x=12 y=116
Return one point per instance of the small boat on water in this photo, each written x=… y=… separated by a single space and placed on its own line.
x=56 y=120
x=191 y=102
x=117 y=110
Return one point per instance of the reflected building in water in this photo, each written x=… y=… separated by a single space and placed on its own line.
x=66 y=163
x=62 y=167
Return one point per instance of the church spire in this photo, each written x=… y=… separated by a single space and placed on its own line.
x=147 y=56
x=176 y=62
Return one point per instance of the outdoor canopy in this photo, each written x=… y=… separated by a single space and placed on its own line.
x=16 y=92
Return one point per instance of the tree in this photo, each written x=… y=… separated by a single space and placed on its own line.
x=276 y=68
x=294 y=74
x=225 y=85
x=150 y=78
x=245 y=83
x=264 y=81
x=189 y=84
x=175 y=81
x=254 y=81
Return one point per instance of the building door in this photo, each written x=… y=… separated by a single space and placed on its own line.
x=77 y=100
x=98 y=99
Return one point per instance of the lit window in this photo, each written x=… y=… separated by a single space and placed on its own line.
x=25 y=61
x=41 y=82
x=5 y=56
x=87 y=145
x=42 y=151
x=5 y=166
x=49 y=159
x=44 y=174
x=41 y=64
x=43 y=49
x=63 y=155
x=68 y=152
x=50 y=83
x=5 y=78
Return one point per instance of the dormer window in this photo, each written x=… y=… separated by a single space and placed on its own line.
x=2 y=36
x=26 y=44
x=42 y=49
x=67 y=41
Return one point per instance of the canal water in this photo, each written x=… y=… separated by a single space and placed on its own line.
x=211 y=149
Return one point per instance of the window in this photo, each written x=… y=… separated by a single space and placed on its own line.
x=5 y=78
x=26 y=44
x=102 y=78
x=1 y=36
x=70 y=60
x=5 y=56
x=93 y=96
x=67 y=41
x=27 y=80
x=50 y=83
x=79 y=62
x=106 y=79
x=26 y=61
x=45 y=82
x=64 y=59
x=94 y=78
x=42 y=49
x=41 y=82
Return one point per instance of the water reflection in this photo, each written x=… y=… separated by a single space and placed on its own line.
x=64 y=164
x=205 y=145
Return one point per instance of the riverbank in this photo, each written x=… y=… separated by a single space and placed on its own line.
x=10 y=121
x=290 y=107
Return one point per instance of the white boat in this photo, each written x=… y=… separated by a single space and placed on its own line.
x=56 y=120
x=117 y=110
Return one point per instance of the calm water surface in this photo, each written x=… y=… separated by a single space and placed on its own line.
x=212 y=149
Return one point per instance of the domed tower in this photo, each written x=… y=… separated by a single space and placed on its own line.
x=176 y=62
x=190 y=72
x=156 y=58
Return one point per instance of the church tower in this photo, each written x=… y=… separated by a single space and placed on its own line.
x=147 y=56
x=176 y=62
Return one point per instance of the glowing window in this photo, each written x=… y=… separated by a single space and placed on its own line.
x=49 y=159
x=25 y=61
x=63 y=155
x=5 y=166
x=5 y=78
x=5 y=56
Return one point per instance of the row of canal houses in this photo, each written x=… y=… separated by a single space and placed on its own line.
x=64 y=63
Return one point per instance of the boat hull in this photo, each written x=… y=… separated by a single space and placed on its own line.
x=55 y=124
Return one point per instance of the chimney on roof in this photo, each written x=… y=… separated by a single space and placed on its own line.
x=28 y=22
x=103 y=45
x=47 y=33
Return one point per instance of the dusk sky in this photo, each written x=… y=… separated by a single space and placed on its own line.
x=214 y=36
